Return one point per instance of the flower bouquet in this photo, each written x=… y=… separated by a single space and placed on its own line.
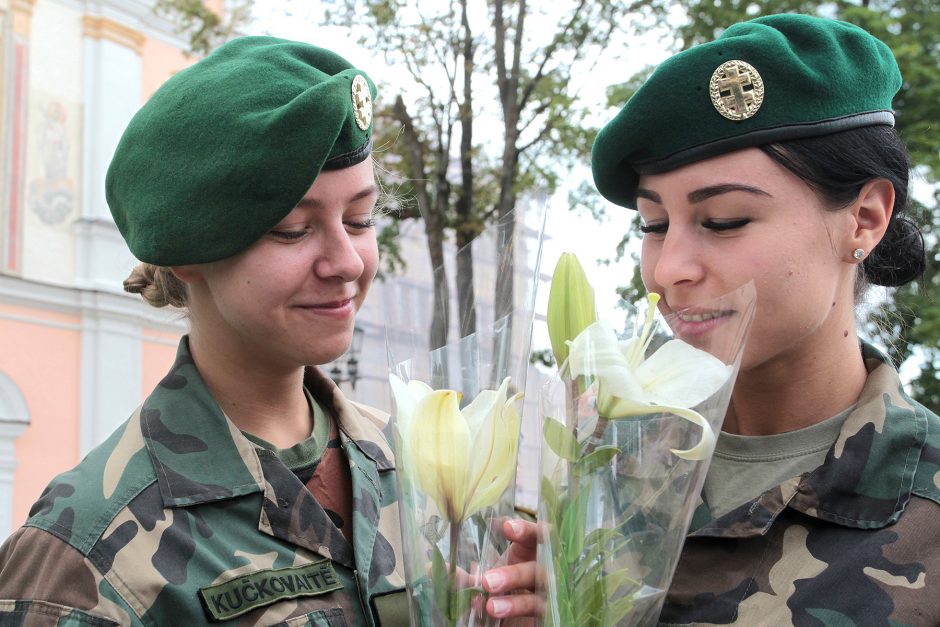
x=455 y=433
x=629 y=426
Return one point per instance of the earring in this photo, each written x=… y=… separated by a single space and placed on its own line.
x=858 y=254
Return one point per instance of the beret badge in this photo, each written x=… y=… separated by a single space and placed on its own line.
x=736 y=90
x=362 y=102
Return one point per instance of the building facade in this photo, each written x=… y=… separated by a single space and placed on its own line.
x=76 y=353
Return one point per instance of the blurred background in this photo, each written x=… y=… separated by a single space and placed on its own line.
x=486 y=113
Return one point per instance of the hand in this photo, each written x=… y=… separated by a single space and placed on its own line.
x=513 y=588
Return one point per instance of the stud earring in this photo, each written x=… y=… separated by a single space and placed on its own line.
x=858 y=254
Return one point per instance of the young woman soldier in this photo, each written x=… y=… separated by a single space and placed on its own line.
x=770 y=155
x=246 y=489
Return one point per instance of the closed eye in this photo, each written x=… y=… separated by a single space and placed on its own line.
x=360 y=225
x=726 y=225
x=289 y=235
x=654 y=227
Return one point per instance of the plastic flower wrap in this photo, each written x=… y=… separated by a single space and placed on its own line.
x=455 y=432
x=629 y=427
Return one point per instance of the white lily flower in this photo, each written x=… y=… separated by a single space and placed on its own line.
x=466 y=459
x=675 y=378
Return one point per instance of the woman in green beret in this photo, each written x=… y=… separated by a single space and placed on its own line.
x=246 y=488
x=769 y=155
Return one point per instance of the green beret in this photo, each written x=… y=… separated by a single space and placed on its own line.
x=228 y=146
x=770 y=79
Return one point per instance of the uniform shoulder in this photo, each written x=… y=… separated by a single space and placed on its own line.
x=78 y=504
x=927 y=477
x=44 y=579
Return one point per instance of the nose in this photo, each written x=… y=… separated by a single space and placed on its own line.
x=338 y=256
x=679 y=260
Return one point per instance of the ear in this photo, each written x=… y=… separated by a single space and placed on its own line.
x=871 y=212
x=187 y=274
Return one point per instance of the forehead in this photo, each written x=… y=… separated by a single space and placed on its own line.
x=750 y=167
x=343 y=186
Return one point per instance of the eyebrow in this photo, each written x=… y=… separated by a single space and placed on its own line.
x=705 y=193
x=313 y=203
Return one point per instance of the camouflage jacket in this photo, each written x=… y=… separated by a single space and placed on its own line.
x=177 y=519
x=854 y=542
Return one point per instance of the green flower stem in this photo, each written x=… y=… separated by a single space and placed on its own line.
x=452 y=604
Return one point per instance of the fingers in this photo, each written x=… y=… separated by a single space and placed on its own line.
x=524 y=538
x=509 y=579
x=517 y=605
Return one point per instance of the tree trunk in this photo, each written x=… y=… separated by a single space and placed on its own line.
x=433 y=227
x=466 y=231
x=508 y=77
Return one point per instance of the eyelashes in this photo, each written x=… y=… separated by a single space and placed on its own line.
x=361 y=224
x=294 y=235
x=659 y=228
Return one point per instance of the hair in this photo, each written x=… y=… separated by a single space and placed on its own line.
x=157 y=285
x=836 y=167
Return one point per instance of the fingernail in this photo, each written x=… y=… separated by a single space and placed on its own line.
x=495 y=581
x=516 y=526
x=499 y=607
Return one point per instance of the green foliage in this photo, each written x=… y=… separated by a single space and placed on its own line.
x=587 y=592
x=204 y=28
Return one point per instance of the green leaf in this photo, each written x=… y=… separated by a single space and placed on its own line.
x=601 y=456
x=440 y=580
x=560 y=440
x=589 y=598
x=549 y=498
x=615 y=611
x=616 y=580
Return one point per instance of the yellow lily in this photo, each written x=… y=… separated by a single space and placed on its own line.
x=676 y=377
x=463 y=459
x=570 y=305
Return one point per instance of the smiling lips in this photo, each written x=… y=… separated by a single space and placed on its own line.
x=337 y=308
x=689 y=315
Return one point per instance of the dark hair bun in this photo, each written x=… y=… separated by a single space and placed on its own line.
x=900 y=256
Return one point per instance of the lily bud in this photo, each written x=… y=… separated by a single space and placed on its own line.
x=570 y=305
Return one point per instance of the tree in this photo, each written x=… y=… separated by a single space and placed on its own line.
x=204 y=27
x=909 y=322
x=457 y=54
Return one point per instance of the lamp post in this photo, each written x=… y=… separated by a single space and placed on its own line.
x=351 y=372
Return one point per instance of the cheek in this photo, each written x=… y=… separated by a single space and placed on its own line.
x=649 y=256
x=369 y=253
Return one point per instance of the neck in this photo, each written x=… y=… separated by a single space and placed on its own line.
x=262 y=399
x=796 y=391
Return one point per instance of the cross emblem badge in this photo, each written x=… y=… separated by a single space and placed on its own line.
x=736 y=90
x=362 y=102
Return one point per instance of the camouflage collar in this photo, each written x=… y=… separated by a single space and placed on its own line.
x=361 y=425
x=199 y=456
x=869 y=474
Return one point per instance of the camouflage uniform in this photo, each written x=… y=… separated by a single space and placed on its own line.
x=854 y=542
x=177 y=519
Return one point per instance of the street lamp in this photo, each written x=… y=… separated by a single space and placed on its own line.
x=351 y=374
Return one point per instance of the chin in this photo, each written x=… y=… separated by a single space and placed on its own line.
x=320 y=355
